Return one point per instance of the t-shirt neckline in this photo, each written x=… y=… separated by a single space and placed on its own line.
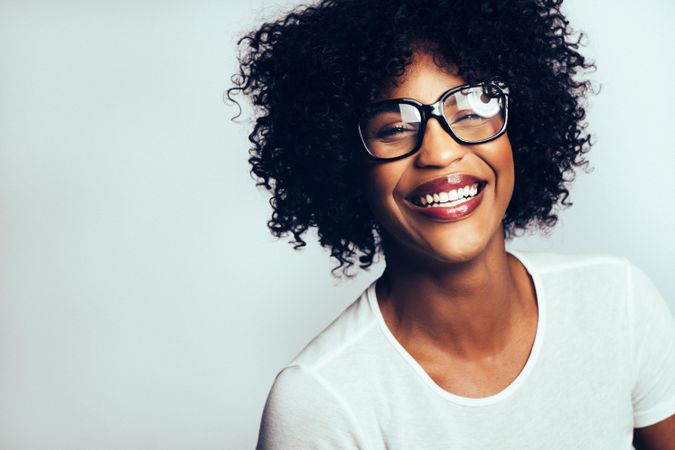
x=473 y=401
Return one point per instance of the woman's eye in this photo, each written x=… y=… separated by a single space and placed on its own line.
x=393 y=131
x=467 y=116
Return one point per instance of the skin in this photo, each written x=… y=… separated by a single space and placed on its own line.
x=660 y=436
x=463 y=307
x=451 y=295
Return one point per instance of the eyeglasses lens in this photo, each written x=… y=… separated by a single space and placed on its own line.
x=473 y=115
x=393 y=129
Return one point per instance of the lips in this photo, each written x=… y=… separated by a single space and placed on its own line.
x=451 y=211
x=444 y=184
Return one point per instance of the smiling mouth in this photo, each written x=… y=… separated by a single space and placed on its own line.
x=453 y=197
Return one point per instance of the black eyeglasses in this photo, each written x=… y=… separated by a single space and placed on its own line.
x=471 y=114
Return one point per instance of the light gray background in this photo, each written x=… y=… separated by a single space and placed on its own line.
x=143 y=303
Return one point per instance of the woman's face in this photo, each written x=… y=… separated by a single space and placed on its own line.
x=454 y=234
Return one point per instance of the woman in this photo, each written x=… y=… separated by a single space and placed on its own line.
x=432 y=132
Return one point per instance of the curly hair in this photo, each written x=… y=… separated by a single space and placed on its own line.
x=311 y=73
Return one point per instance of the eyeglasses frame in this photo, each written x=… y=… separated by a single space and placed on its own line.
x=435 y=109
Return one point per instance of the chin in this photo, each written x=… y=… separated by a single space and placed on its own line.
x=464 y=244
x=448 y=250
x=459 y=251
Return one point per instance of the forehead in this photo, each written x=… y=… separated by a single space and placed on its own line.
x=425 y=79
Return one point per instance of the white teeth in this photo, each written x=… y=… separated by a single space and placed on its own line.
x=450 y=198
x=445 y=205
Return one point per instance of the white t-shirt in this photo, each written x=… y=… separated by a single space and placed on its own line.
x=602 y=363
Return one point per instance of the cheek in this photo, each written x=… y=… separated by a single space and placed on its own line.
x=502 y=164
x=380 y=181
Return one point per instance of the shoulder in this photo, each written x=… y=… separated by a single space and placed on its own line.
x=547 y=262
x=296 y=389
x=302 y=412
x=304 y=408
x=589 y=288
x=344 y=331
x=585 y=274
x=594 y=271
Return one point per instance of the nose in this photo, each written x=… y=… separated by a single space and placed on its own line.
x=438 y=148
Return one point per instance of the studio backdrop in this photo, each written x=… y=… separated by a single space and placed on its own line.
x=143 y=302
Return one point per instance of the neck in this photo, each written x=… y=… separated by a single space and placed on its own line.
x=467 y=308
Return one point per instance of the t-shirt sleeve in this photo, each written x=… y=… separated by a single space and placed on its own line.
x=653 y=351
x=303 y=412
